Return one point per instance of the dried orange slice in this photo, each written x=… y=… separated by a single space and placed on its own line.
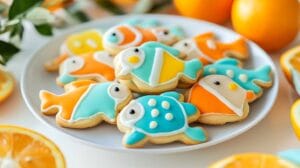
x=6 y=84
x=24 y=148
x=295 y=118
x=252 y=160
x=289 y=61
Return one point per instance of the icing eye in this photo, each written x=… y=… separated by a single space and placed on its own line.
x=136 y=50
x=166 y=32
x=117 y=89
x=132 y=112
x=71 y=64
x=217 y=82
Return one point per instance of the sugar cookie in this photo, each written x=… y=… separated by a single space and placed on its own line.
x=154 y=67
x=208 y=49
x=87 y=105
x=159 y=119
x=219 y=99
x=125 y=36
x=251 y=80
x=77 y=44
x=96 y=66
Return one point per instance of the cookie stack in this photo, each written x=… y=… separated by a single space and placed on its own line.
x=152 y=82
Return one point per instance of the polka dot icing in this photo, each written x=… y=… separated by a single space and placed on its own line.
x=153 y=125
x=169 y=116
x=230 y=73
x=152 y=102
x=165 y=105
x=212 y=70
x=154 y=113
x=243 y=77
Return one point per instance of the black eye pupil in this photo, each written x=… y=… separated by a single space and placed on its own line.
x=217 y=83
x=113 y=34
x=185 y=44
x=136 y=50
x=166 y=32
x=74 y=61
x=131 y=111
x=117 y=89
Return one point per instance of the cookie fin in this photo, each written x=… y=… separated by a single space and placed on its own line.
x=228 y=61
x=192 y=68
x=238 y=49
x=189 y=109
x=196 y=134
x=292 y=155
x=154 y=45
x=47 y=100
x=174 y=95
x=134 y=138
x=263 y=74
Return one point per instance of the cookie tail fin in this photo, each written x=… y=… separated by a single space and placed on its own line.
x=47 y=102
x=196 y=134
x=263 y=75
x=53 y=65
x=238 y=49
x=192 y=68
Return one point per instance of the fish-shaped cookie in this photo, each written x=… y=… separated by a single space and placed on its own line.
x=77 y=44
x=96 y=66
x=125 y=36
x=83 y=106
x=159 y=119
x=219 y=99
x=251 y=80
x=155 y=67
x=208 y=49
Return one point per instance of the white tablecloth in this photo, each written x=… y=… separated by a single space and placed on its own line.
x=271 y=135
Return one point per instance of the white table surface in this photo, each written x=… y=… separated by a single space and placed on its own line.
x=271 y=135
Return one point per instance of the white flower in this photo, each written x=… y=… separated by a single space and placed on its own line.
x=39 y=16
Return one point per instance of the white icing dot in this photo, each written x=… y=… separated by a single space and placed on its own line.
x=230 y=73
x=243 y=77
x=212 y=70
x=154 y=113
x=211 y=44
x=91 y=43
x=165 y=105
x=77 y=44
x=153 y=125
x=152 y=102
x=169 y=116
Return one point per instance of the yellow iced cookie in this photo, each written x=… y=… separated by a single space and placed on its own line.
x=77 y=44
x=24 y=148
x=6 y=84
x=253 y=160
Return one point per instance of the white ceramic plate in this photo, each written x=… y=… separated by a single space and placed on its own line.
x=107 y=136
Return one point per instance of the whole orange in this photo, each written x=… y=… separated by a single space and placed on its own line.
x=217 y=11
x=271 y=24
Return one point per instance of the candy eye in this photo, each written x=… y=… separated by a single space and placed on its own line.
x=186 y=44
x=74 y=61
x=113 y=34
x=166 y=32
x=136 y=50
x=217 y=82
x=132 y=112
x=117 y=89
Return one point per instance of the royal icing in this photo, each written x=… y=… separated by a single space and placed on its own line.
x=157 y=65
x=86 y=102
x=208 y=49
x=251 y=80
x=97 y=66
x=218 y=94
x=138 y=116
x=291 y=155
x=124 y=36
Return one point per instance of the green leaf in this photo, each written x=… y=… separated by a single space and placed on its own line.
x=44 y=29
x=7 y=50
x=110 y=6
x=17 y=30
x=20 y=6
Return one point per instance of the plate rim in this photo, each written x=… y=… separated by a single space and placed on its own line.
x=186 y=148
